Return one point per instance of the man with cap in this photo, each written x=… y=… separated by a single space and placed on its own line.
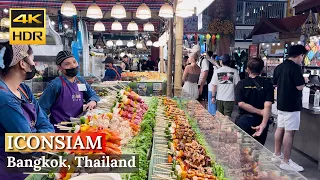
x=112 y=72
x=65 y=95
x=125 y=63
x=224 y=81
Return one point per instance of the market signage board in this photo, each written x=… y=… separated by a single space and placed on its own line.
x=266 y=38
x=27 y=26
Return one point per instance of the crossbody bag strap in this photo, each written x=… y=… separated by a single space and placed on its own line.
x=259 y=88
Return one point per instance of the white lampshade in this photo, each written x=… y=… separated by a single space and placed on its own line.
x=156 y=44
x=5 y=22
x=118 y=11
x=119 y=43
x=139 y=45
x=109 y=43
x=143 y=12
x=99 y=26
x=166 y=11
x=148 y=27
x=184 y=9
x=130 y=44
x=94 y=12
x=116 y=26
x=68 y=9
x=130 y=55
x=132 y=26
x=149 y=43
x=122 y=54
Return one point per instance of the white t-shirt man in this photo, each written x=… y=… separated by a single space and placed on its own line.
x=204 y=65
x=225 y=78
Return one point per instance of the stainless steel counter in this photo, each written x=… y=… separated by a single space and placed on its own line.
x=307 y=139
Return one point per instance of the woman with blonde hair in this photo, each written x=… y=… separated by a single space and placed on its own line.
x=191 y=74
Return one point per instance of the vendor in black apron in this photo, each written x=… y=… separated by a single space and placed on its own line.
x=254 y=96
x=64 y=97
x=19 y=110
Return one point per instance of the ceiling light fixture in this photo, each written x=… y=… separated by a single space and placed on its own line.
x=68 y=9
x=184 y=9
x=132 y=26
x=130 y=44
x=5 y=10
x=156 y=44
x=66 y=26
x=53 y=23
x=5 y=22
x=94 y=12
x=143 y=12
x=149 y=43
x=99 y=26
x=119 y=43
x=109 y=43
x=139 y=45
x=118 y=11
x=148 y=27
x=166 y=11
x=116 y=26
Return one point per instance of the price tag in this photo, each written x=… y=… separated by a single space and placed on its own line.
x=82 y=87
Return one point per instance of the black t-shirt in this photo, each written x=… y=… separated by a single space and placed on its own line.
x=150 y=65
x=247 y=92
x=287 y=76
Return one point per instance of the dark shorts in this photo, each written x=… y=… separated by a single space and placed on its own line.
x=247 y=121
x=225 y=107
x=204 y=95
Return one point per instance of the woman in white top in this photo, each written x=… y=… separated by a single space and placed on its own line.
x=191 y=74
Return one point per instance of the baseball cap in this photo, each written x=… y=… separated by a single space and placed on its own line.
x=108 y=60
x=225 y=58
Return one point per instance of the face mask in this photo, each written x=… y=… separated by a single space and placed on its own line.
x=30 y=75
x=72 y=72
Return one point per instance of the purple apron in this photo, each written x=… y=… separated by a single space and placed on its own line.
x=30 y=113
x=69 y=103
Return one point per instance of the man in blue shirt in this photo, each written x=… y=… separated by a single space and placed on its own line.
x=64 y=97
x=112 y=72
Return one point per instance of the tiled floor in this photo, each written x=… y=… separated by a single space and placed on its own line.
x=311 y=171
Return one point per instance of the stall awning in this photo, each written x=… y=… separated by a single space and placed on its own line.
x=287 y=25
x=308 y=5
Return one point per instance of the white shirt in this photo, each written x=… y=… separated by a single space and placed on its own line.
x=164 y=67
x=204 y=67
x=226 y=78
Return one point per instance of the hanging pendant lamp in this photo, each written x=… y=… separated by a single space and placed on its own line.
x=166 y=11
x=149 y=43
x=130 y=44
x=119 y=43
x=94 y=12
x=68 y=9
x=156 y=44
x=109 y=43
x=5 y=22
x=132 y=26
x=118 y=11
x=139 y=45
x=148 y=27
x=143 y=12
x=99 y=26
x=184 y=9
x=116 y=26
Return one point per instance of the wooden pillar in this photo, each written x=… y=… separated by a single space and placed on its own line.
x=178 y=56
x=161 y=59
x=170 y=59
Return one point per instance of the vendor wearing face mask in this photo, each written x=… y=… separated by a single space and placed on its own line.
x=19 y=110
x=64 y=97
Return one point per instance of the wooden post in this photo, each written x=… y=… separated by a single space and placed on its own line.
x=178 y=56
x=161 y=59
x=170 y=59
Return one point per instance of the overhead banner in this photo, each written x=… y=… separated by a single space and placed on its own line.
x=266 y=38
